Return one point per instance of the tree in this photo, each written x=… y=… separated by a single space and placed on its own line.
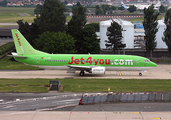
x=162 y=9
x=3 y=3
x=66 y=2
x=132 y=8
x=24 y=28
x=113 y=7
x=99 y=10
x=76 y=25
x=167 y=32
x=52 y=42
x=37 y=10
x=150 y=26
x=95 y=25
x=104 y=9
x=121 y=8
x=78 y=4
x=90 y=41
x=114 y=33
x=30 y=32
x=52 y=17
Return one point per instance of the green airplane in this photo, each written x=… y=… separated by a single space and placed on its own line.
x=95 y=64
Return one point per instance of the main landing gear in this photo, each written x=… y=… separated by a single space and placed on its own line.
x=140 y=74
x=82 y=73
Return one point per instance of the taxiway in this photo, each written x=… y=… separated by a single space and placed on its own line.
x=162 y=71
x=64 y=106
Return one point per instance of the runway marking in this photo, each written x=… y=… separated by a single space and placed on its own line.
x=35 y=105
x=120 y=73
x=9 y=106
x=79 y=112
x=13 y=108
x=157 y=118
x=16 y=113
x=66 y=100
x=136 y=118
x=57 y=107
x=118 y=112
x=147 y=106
x=35 y=99
x=135 y=112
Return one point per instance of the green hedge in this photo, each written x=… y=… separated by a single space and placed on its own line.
x=6 y=47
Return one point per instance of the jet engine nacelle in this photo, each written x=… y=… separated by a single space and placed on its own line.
x=98 y=70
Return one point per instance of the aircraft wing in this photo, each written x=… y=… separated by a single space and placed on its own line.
x=87 y=68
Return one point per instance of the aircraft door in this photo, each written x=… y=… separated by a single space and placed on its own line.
x=145 y=64
x=37 y=61
x=138 y=61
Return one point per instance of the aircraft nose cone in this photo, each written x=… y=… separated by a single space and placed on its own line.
x=153 y=64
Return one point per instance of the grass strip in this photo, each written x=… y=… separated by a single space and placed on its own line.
x=142 y=18
x=6 y=47
x=7 y=64
x=11 y=14
x=86 y=85
x=23 y=85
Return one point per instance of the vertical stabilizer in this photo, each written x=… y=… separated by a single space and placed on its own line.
x=22 y=46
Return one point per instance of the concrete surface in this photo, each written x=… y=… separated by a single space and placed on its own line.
x=39 y=115
x=162 y=71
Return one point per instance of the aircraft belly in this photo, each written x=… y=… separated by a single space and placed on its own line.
x=54 y=67
x=127 y=68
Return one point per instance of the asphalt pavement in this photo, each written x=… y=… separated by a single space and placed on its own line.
x=162 y=71
x=64 y=106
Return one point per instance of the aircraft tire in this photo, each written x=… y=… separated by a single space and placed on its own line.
x=82 y=73
x=140 y=74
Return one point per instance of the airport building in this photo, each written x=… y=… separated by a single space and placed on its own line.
x=133 y=34
x=127 y=33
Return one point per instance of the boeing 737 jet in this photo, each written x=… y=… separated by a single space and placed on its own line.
x=123 y=5
x=141 y=7
x=95 y=64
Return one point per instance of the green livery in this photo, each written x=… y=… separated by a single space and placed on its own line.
x=92 y=63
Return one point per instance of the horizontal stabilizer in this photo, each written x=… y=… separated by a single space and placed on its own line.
x=17 y=56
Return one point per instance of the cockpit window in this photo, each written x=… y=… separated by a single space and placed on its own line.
x=147 y=60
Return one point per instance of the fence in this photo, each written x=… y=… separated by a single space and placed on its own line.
x=126 y=97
